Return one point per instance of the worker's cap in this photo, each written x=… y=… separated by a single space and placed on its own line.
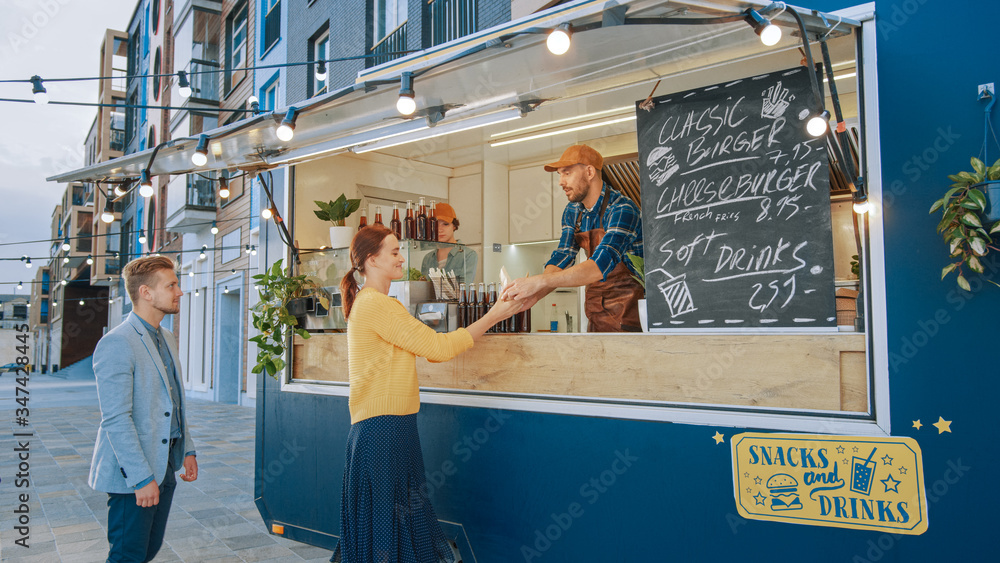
x=444 y=212
x=577 y=154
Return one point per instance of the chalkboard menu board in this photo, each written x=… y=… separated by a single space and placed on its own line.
x=736 y=207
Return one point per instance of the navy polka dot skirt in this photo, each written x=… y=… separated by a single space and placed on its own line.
x=384 y=518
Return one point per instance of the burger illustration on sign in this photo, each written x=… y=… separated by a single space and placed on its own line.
x=784 y=492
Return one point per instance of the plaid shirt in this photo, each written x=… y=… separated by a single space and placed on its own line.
x=623 y=233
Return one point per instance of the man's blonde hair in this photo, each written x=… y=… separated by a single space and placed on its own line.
x=142 y=271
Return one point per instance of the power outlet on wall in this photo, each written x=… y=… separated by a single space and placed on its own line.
x=986 y=91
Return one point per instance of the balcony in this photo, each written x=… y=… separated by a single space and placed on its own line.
x=190 y=204
x=395 y=42
x=451 y=19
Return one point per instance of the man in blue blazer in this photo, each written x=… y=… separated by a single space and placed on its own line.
x=143 y=438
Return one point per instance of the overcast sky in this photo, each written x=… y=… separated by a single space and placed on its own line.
x=53 y=39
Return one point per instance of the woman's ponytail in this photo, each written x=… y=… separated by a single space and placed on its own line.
x=365 y=244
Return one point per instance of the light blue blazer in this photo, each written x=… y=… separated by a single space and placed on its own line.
x=133 y=440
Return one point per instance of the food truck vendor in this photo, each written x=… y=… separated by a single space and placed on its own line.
x=607 y=226
x=454 y=260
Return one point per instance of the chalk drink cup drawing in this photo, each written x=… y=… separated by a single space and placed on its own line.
x=862 y=471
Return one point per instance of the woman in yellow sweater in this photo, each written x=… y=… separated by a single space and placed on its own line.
x=384 y=515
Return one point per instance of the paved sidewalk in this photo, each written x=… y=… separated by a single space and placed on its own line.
x=213 y=519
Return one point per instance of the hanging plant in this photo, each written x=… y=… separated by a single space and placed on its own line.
x=272 y=318
x=963 y=223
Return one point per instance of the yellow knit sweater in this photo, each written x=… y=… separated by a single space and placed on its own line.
x=383 y=341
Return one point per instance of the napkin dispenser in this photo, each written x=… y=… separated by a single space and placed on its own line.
x=442 y=316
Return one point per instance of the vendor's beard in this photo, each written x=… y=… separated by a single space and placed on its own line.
x=168 y=311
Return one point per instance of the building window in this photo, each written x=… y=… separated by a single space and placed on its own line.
x=131 y=119
x=269 y=96
x=156 y=16
x=231 y=247
x=451 y=19
x=272 y=23
x=43 y=318
x=319 y=51
x=119 y=64
x=157 y=69
x=388 y=14
x=236 y=44
x=117 y=140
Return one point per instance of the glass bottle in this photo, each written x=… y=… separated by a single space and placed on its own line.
x=432 y=224
x=394 y=224
x=409 y=228
x=363 y=222
x=473 y=299
x=482 y=302
x=463 y=307
x=421 y=221
x=554 y=319
x=491 y=299
x=378 y=216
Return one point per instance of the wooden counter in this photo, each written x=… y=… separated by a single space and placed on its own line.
x=807 y=371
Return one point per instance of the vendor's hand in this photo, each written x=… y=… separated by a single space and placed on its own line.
x=529 y=302
x=522 y=288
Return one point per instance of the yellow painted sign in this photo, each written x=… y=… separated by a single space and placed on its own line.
x=843 y=481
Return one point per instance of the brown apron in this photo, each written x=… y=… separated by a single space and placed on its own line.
x=611 y=305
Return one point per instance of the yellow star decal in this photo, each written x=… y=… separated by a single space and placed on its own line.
x=942 y=425
x=719 y=438
x=916 y=424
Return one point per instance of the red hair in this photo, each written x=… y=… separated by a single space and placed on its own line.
x=367 y=243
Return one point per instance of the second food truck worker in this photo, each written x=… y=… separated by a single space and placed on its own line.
x=607 y=226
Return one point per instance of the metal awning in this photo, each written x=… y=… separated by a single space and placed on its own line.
x=462 y=83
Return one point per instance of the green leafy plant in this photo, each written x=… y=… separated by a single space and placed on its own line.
x=855 y=266
x=337 y=211
x=640 y=266
x=413 y=274
x=271 y=316
x=962 y=223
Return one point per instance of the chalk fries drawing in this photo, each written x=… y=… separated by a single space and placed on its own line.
x=776 y=101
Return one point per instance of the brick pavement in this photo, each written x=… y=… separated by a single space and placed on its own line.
x=212 y=520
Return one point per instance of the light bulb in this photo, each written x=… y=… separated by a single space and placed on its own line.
x=184 y=91
x=65 y=259
x=770 y=35
x=253 y=251
x=41 y=98
x=81 y=302
x=558 y=41
x=321 y=73
x=215 y=228
x=190 y=274
x=28 y=263
x=65 y=245
x=90 y=260
x=861 y=207
x=266 y=213
x=406 y=105
x=284 y=133
x=119 y=190
x=19 y=285
x=108 y=217
x=199 y=159
x=818 y=124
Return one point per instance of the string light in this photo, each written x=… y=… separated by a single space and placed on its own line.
x=215 y=228
x=861 y=205
x=224 y=187
x=65 y=244
x=769 y=33
x=142 y=236
x=183 y=86
x=405 y=104
x=266 y=213
x=321 y=73
x=20 y=285
x=38 y=91
x=286 y=130
x=200 y=156
x=818 y=124
x=90 y=260
x=145 y=184
x=558 y=41
x=204 y=249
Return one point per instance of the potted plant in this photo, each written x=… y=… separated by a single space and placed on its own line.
x=640 y=266
x=964 y=208
x=337 y=212
x=280 y=292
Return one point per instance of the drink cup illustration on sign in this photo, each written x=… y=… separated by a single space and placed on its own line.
x=862 y=474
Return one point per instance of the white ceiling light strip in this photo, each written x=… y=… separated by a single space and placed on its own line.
x=442 y=129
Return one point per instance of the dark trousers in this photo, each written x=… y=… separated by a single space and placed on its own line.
x=135 y=533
